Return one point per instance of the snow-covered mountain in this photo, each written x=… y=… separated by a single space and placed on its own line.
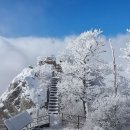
x=28 y=89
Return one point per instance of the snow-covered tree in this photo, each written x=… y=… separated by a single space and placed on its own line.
x=111 y=110
x=126 y=56
x=82 y=68
x=87 y=82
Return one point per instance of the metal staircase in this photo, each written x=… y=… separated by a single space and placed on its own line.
x=52 y=98
x=53 y=106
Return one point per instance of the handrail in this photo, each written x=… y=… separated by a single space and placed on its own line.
x=41 y=117
x=78 y=118
x=73 y=115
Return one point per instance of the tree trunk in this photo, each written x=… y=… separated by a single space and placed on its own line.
x=84 y=97
x=114 y=68
x=84 y=108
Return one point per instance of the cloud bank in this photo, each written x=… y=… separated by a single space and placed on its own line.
x=18 y=53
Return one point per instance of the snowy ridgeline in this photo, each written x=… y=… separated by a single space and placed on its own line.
x=28 y=90
x=89 y=85
x=33 y=83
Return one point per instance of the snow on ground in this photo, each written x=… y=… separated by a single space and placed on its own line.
x=1 y=104
x=61 y=128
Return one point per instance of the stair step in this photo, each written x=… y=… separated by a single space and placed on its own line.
x=53 y=113
x=53 y=106
x=51 y=96
x=53 y=109
x=53 y=87
x=53 y=91
x=54 y=81
x=56 y=111
x=55 y=95
x=52 y=103
x=54 y=98
x=55 y=78
x=53 y=84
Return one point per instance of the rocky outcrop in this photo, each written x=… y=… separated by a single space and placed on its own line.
x=29 y=88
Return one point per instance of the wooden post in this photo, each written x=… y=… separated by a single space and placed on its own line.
x=30 y=125
x=49 y=119
x=78 y=121
x=62 y=118
x=27 y=127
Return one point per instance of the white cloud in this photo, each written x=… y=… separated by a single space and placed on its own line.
x=128 y=30
x=118 y=42
x=18 y=53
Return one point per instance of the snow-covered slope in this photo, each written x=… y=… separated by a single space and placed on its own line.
x=27 y=90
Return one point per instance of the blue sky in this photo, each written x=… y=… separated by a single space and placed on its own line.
x=32 y=28
x=59 y=18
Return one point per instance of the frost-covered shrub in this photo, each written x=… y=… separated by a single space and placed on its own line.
x=111 y=113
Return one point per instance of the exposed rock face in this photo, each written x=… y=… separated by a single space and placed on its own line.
x=26 y=104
